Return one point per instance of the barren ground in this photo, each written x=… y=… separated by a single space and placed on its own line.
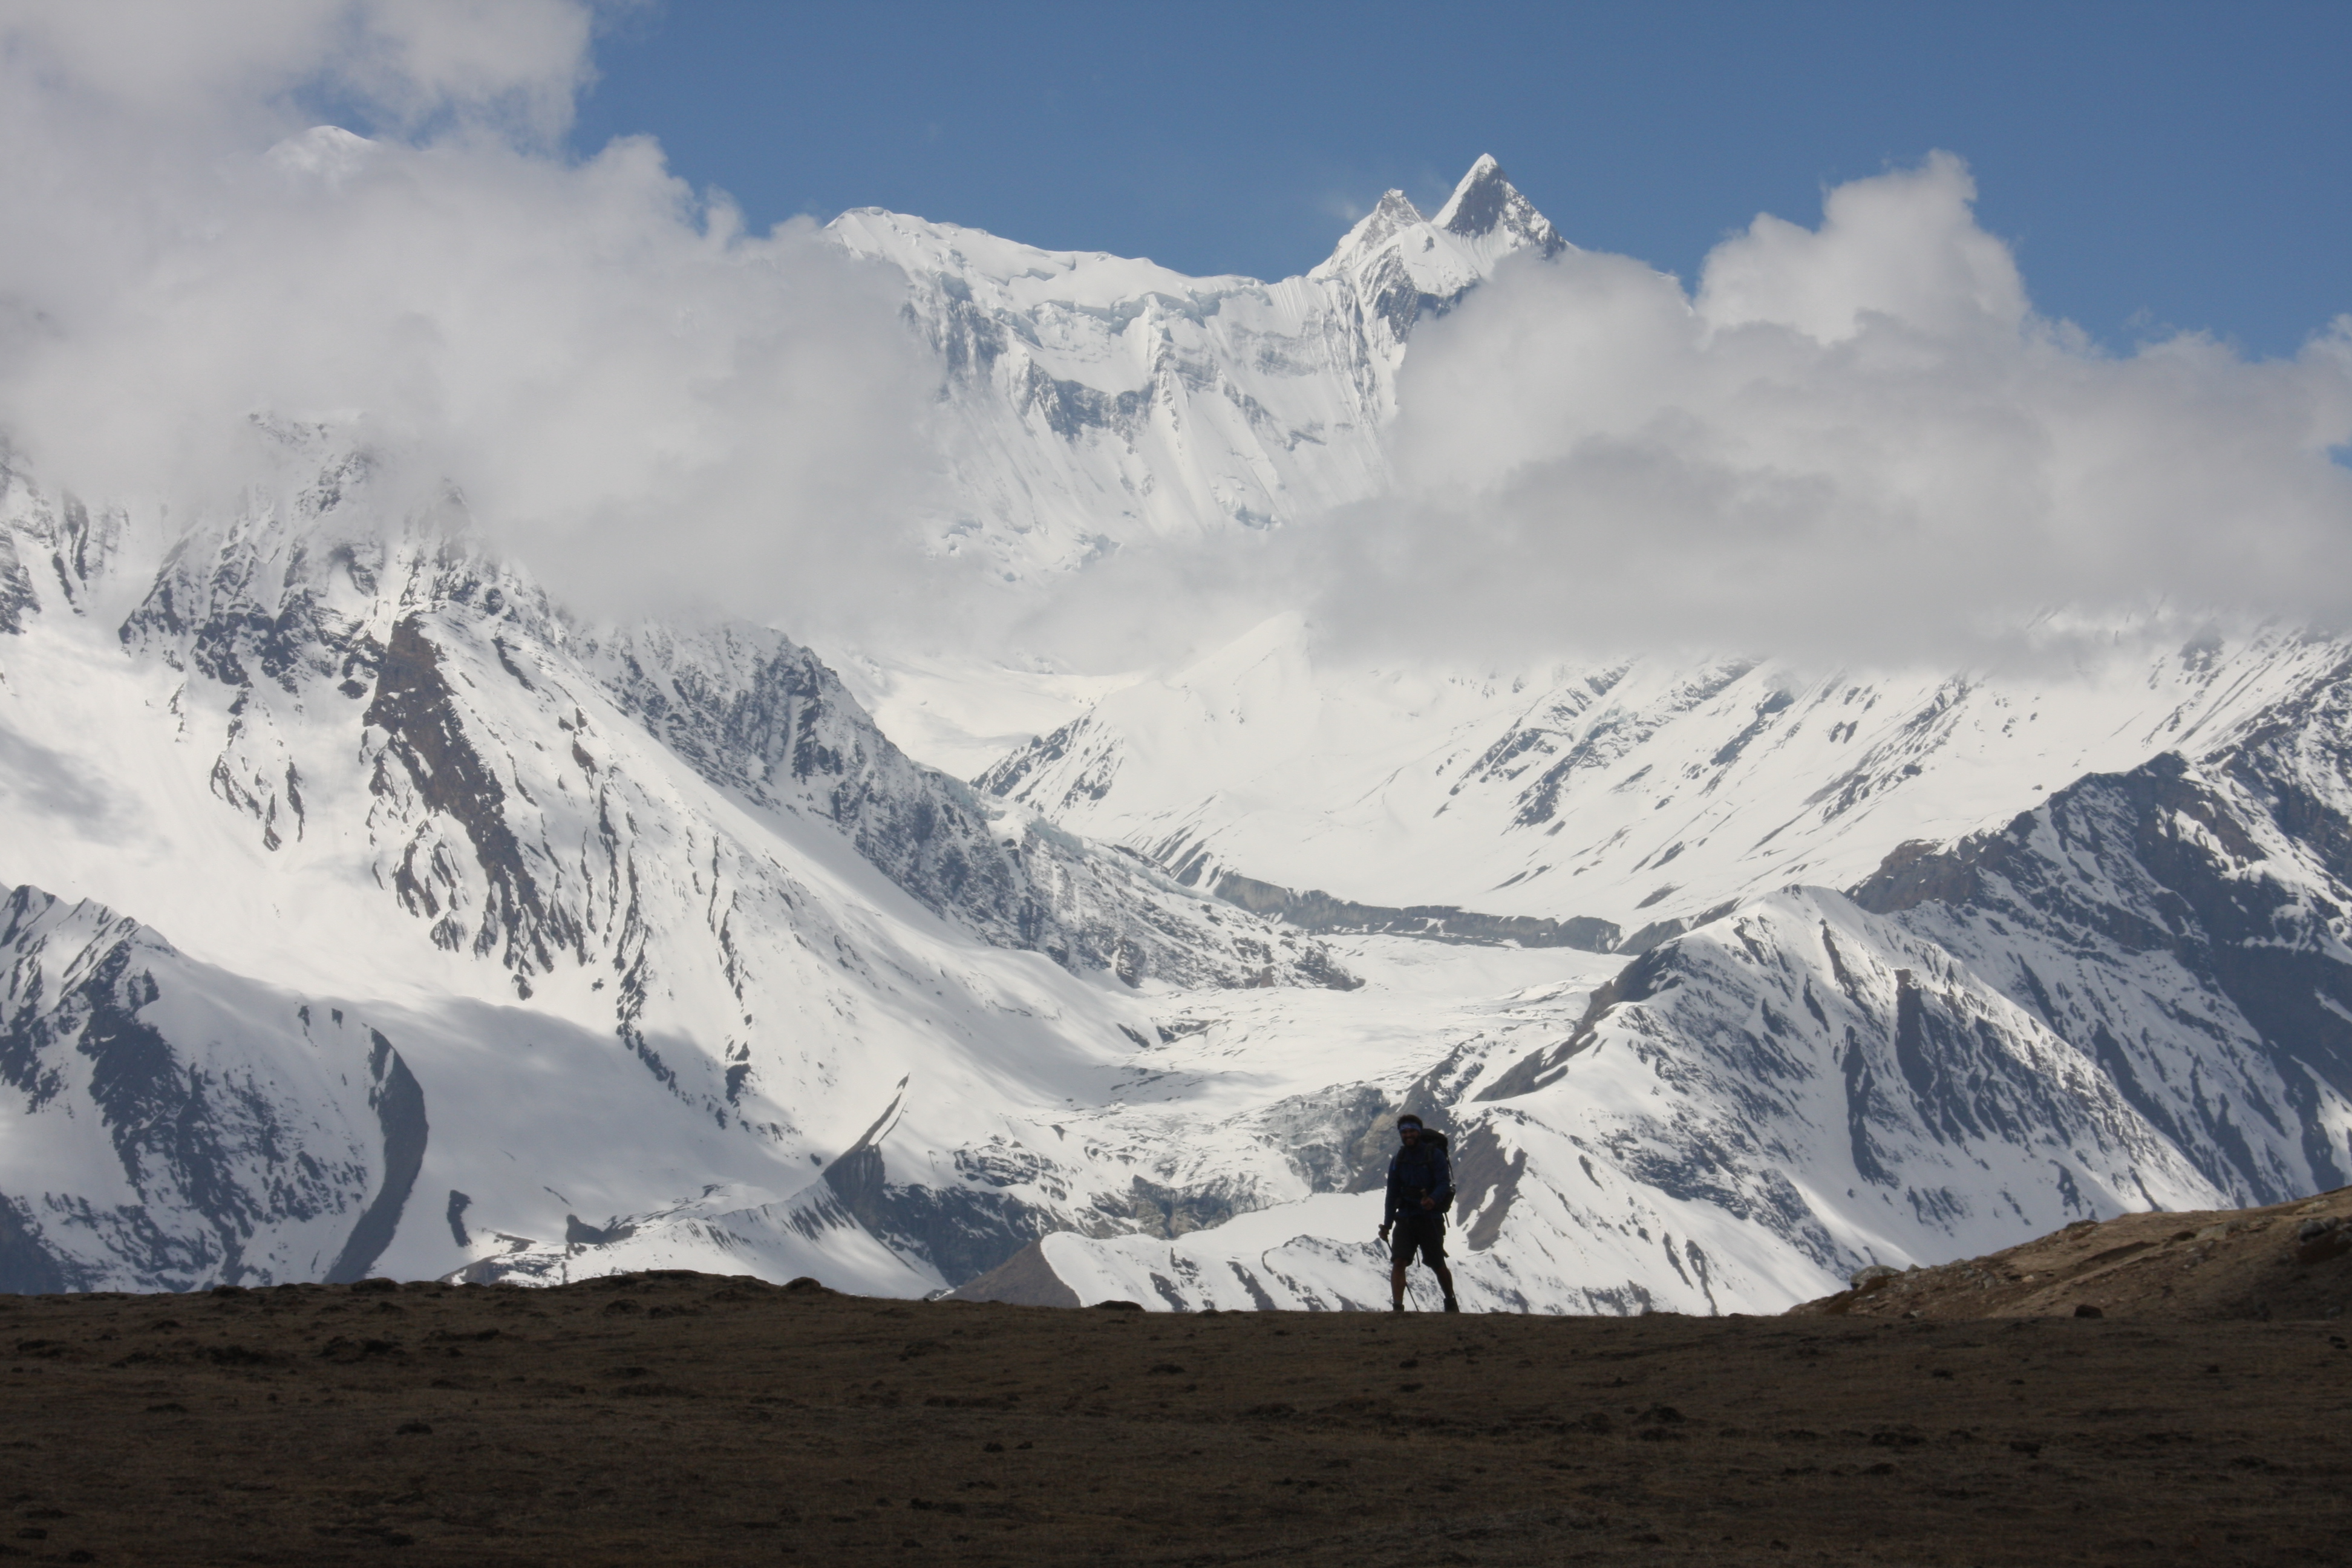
x=694 y=1419
x=2290 y=1260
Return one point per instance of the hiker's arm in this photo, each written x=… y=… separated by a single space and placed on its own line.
x=1443 y=1191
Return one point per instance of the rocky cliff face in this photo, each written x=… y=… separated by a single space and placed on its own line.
x=301 y=600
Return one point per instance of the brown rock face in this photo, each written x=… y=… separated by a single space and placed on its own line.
x=1024 y=1280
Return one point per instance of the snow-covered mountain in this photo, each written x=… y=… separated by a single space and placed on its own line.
x=1094 y=400
x=1091 y=403
x=371 y=911
x=1636 y=792
x=2133 y=995
x=343 y=766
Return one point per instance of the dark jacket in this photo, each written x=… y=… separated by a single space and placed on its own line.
x=1418 y=1173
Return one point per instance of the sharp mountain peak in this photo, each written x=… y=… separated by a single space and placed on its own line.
x=1485 y=201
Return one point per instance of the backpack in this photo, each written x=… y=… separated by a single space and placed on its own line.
x=1434 y=1141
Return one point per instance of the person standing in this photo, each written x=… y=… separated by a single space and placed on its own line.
x=1420 y=1185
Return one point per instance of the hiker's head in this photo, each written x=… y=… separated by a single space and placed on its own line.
x=1409 y=1127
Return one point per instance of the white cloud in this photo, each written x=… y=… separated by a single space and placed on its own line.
x=223 y=64
x=645 y=403
x=1856 y=441
x=1905 y=247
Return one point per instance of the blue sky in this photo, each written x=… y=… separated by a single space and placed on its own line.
x=2158 y=165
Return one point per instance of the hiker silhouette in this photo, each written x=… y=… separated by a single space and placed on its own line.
x=1421 y=1187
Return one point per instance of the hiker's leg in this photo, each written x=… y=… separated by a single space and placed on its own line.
x=1432 y=1252
x=1396 y=1279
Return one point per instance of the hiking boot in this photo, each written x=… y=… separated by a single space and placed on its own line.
x=1451 y=1305
x=1396 y=1306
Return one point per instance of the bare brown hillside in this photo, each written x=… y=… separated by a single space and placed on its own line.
x=2288 y=1261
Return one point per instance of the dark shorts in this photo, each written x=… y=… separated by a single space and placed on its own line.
x=1422 y=1233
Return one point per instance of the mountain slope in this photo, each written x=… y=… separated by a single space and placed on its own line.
x=353 y=756
x=1782 y=1096
x=174 y=1124
x=1636 y=791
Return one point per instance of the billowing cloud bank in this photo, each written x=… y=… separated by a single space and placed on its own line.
x=647 y=403
x=1853 y=440
x=1856 y=440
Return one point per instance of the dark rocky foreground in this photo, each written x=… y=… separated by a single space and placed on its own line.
x=692 y=1419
